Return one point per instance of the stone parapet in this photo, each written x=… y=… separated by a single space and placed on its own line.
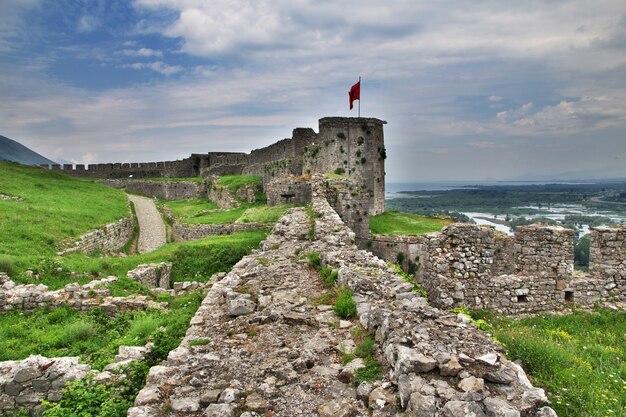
x=182 y=232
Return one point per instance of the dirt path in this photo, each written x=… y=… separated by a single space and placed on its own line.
x=151 y=226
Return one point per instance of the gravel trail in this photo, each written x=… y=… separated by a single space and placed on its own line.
x=151 y=226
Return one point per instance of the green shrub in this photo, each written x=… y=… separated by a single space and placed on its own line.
x=371 y=372
x=340 y=171
x=345 y=307
x=87 y=397
x=329 y=276
x=314 y=260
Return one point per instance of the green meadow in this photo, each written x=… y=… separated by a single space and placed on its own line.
x=579 y=358
x=394 y=223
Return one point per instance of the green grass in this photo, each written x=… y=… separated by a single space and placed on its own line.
x=91 y=335
x=193 y=261
x=580 y=359
x=235 y=182
x=264 y=213
x=195 y=212
x=393 y=223
x=189 y=208
x=54 y=207
x=345 y=307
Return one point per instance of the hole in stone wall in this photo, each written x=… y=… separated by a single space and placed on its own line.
x=522 y=298
x=569 y=295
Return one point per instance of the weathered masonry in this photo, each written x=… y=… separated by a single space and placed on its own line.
x=353 y=147
x=531 y=271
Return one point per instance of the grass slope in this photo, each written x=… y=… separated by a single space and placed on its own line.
x=580 y=359
x=235 y=182
x=393 y=223
x=54 y=207
x=192 y=261
x=202 y=211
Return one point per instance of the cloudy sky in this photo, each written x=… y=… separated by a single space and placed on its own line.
x=470 y=89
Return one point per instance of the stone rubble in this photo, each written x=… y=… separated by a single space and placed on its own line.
x=28 y=297
x=262 y=344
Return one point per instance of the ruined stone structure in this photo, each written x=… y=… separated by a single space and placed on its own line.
x=261 y=345
x=353 y=147
x=29 y=297
x=531 y=271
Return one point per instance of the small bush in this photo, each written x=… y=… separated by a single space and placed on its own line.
x=345 y=307
x=340 y=171
x=329 y=276
x=371 y=372
x=315 y=261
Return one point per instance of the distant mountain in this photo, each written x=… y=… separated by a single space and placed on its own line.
x=11 y=150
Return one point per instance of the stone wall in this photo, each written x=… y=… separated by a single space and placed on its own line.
x=23 y=384
x=531 y=271
x=152 y=275
x=109 y=238
x=352 y=202
x=184 y=232
x=288 y=190
x=29 y=297
x=221 y=195
x=166 y=190
x=607 y=257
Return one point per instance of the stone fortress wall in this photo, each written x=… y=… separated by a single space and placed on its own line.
x=351 y=145
x=531 y=271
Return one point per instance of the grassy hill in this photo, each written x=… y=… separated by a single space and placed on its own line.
x=40 y=208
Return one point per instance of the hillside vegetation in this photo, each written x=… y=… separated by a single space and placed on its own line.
x=42 y=208
x=580 y=359
x=393 y=223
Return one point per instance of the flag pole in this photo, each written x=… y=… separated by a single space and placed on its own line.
x=359 y=96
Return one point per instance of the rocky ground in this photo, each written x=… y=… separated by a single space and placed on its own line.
x=264 y=343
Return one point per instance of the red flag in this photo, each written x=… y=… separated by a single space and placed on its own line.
x=355 y=93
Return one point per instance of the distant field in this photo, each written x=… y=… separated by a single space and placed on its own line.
x=393 y=223
x=53 y=207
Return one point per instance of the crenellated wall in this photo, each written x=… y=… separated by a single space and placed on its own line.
x=531 y=271
x=353 y=146
x=166 y=190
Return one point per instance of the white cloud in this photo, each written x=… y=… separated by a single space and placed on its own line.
x=495 y=99
x=141 y=52
x=157 y=66
x=88 y=23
